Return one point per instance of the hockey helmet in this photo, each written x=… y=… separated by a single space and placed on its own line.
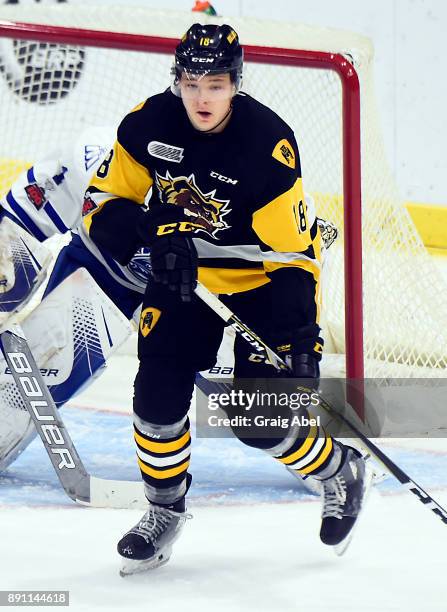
x=206 y=50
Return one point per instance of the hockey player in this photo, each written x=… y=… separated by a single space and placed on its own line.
x=46 y=201
x=227 y=207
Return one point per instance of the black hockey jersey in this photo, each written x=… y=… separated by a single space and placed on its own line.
x=244 y=184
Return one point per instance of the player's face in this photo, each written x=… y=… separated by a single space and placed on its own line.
x=207 y=100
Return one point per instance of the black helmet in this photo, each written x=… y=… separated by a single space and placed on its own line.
x=208 y=49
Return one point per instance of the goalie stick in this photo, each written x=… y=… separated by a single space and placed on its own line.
x=271 y=357
x=79 y=485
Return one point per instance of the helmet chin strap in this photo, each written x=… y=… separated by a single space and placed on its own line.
x=220 y=122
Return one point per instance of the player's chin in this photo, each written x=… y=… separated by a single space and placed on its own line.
x=205 y=121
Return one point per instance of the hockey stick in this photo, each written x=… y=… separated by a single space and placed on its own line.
x=79 y=485
x=229 y=317
x=253 y=339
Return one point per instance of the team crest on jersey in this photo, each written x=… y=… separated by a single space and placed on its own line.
x=148 y=320
x=88 y=206
x=283 y=152
x=36 y=195
x=92 y=155
x=165 y=151
x=206 y=210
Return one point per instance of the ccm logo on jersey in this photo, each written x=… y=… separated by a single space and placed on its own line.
x=165 y=151
x=44 y=420
x=224 y=179
x=182 y=226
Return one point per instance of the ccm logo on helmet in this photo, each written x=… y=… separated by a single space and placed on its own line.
x=207 y=60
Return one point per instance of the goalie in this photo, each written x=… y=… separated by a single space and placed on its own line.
x=77 y=316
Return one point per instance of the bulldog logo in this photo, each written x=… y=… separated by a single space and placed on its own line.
x=148 y=320
x=206 y=210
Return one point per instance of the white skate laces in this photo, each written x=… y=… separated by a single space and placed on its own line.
x=334 y=498
x=148 y=544
x=158 y=521
x=343 y=496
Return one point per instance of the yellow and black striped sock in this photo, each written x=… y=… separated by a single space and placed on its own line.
x=163 y=453
x=311 y=453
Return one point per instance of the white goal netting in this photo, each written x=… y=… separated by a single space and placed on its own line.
x=49 y=92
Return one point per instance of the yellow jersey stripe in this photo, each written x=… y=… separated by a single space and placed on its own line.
x=277 y=225
x=163 y=474
x=162 y=447
x=123 y=176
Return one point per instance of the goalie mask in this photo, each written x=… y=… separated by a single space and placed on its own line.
x=207 y=50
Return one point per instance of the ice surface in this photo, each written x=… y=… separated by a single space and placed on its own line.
x=251 y=557
x=252 y=544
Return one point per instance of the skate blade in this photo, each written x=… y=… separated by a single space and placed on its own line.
x=343 y=546
x=130 y=567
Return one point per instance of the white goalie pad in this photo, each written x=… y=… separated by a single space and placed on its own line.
x=23 y=266
x=71 y=333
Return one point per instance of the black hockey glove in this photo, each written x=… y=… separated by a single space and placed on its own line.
x=167 y=231
x=301 y=349
x=174 y=263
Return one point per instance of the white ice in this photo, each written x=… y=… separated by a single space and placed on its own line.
x=242 y=558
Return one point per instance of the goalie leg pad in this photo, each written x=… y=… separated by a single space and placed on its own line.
x=72 y=333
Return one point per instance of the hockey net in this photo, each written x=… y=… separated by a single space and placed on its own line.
x=53 y=83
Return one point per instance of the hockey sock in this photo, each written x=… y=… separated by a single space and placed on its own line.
x=312 y=453
x=163 y=457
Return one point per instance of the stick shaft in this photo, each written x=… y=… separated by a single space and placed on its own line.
x=243 y=330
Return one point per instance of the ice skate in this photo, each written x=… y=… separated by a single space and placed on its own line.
x=344 y=496
x=148 y=545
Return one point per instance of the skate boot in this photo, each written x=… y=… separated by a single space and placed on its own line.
x=148 y=544
x=343 y=498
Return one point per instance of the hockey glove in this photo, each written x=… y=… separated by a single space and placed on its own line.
x=174 y=263
x=301 y=349
x=167 y=231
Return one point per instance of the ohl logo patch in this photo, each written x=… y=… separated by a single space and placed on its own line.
x=204 y=208
x=148 y=320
